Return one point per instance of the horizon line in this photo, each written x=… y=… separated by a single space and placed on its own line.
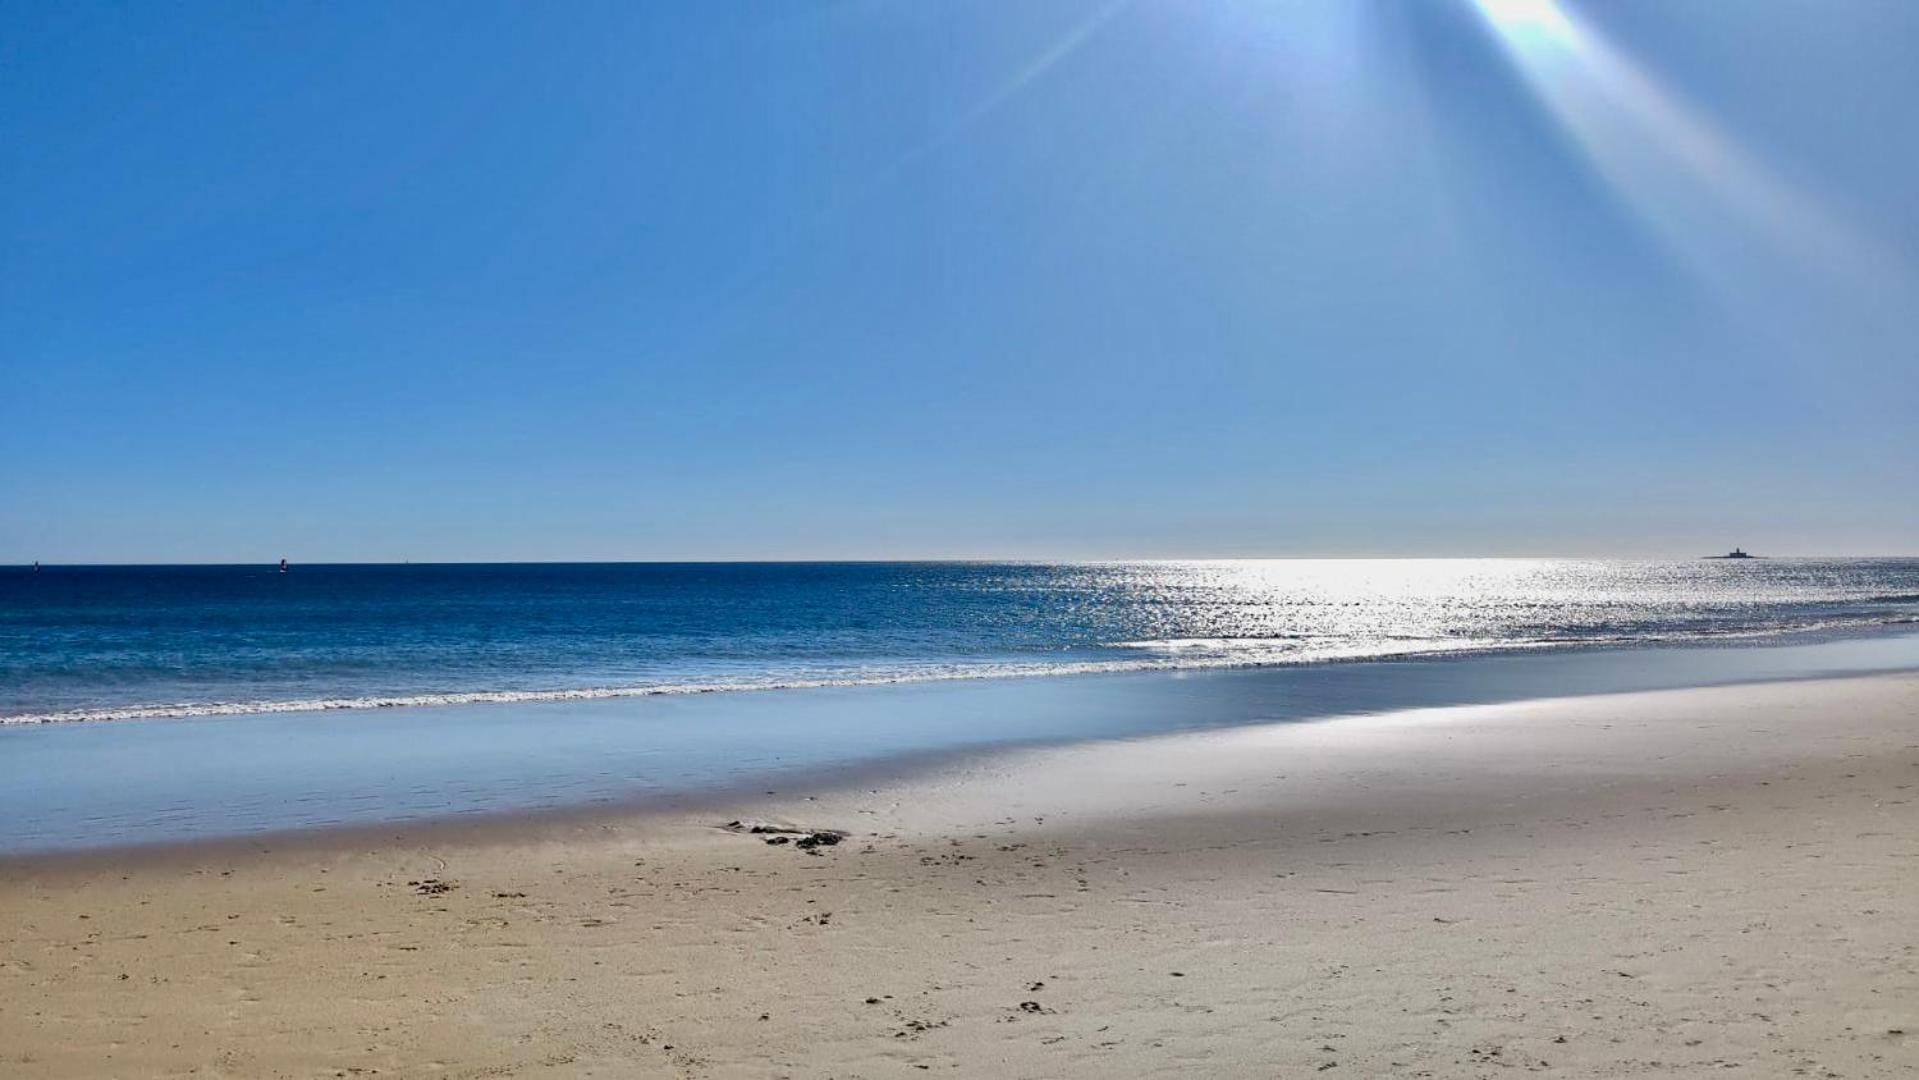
x=985 y=560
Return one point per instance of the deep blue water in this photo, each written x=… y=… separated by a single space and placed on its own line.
x=100 y=643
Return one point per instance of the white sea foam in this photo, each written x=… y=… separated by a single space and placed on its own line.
x=1176 y=654
x=1245 y=656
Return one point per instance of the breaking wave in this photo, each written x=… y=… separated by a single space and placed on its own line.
x=1173 y=654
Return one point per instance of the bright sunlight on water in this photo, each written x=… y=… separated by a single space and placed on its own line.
x=128 y=642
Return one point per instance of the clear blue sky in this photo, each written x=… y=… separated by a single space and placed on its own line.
x=890 y=279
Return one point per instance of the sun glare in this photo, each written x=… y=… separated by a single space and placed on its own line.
x=1705 y=194
x=1526 y=16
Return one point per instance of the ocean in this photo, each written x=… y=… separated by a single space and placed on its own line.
x=116 y=643
x=145 y=704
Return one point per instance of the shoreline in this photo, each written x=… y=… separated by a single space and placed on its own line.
x=69 y=789
x=1635 y=884
x=809 y=784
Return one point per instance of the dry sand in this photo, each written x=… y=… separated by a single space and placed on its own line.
x=1714 y=881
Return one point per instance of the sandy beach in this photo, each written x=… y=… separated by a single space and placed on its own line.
x=1662 y=884
x=1080 y=540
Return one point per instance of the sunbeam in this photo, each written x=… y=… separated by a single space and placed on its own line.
x=1711 y=201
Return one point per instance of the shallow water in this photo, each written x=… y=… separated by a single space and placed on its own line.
x=82 y=785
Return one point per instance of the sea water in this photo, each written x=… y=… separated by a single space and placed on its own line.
x=172 y=702
x=107 y=643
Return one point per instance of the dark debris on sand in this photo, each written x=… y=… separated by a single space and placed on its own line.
x=808 y=840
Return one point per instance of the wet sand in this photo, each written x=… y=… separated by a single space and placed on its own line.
x=1660 y=884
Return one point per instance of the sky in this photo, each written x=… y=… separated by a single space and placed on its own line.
x=371 y=281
